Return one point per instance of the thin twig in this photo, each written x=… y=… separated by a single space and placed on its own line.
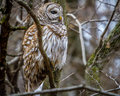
x=110 y=90
x=111 y=78
x=79 y=87
x=97 y=7
x=85 y=31
x=94 y=80
x=101 y=39
x=10 y=85
x=95 y=20
x=81 y=37
x=46 y=59
x=12 y=55
x=106 y=3
x=67 y=77
x=13 y=61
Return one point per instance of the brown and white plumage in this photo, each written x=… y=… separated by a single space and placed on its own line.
x=54 y=36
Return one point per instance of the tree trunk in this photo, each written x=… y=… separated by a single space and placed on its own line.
x=5 y=30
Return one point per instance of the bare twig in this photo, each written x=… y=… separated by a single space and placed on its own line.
x=106 y=3
x=10 y=85
x=46 y=59
x=110 y=90
x=92 y=35
x=13 y=61
x=79 y=87
x=81 y=38
x=19 y=54
x=110 y=77
x=67 y=77
x=94 y=13
x=101 y=39
x=95 y=20
x=94 y=80
x=20 y=63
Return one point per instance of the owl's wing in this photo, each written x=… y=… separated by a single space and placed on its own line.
x=33 y=65
x=55 y=45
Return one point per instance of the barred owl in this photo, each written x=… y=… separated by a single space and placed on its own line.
x=54 y=36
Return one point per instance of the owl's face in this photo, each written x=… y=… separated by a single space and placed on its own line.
x=51 y=13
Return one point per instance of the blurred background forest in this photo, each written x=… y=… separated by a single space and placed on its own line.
x=94 y=16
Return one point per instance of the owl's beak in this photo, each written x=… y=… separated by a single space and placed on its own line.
x=60 y=18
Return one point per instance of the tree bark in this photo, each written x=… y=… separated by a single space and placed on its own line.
x=5 y=30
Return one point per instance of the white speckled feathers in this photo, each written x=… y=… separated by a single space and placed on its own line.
x=55 y=42
x=54 y=45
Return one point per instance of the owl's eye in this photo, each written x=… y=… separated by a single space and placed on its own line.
x=53 y=12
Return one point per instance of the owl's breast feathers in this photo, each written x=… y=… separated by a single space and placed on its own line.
x=55 y=45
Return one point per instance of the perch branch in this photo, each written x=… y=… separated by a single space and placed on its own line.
x=46 y=59
x=79 y=87
x=110 y=90
x=81 y=37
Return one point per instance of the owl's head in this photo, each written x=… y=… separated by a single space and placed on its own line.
x=51 y=13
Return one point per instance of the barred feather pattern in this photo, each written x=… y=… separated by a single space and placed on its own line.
x=55 y=45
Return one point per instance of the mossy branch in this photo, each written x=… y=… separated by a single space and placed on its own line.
x=18 y=28
x=110 y=45
x=96 y=61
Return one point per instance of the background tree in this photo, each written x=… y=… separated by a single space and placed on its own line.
x=103 y=67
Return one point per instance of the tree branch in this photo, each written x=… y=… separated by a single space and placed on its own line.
x=18 y=28
x=73 y=88
x=10 y=85
x=101 y=39
x=81 y=38
x=109 y=90
x=19 y=54
x=98 y=49
x=106 y=3
x=97 y=20
x=46 y=59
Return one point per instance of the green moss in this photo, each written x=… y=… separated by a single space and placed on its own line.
x=90 y=61
x=3 y=19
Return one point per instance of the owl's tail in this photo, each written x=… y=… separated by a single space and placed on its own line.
x=39 y=88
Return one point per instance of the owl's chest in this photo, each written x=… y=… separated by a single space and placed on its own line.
x=54 y=43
